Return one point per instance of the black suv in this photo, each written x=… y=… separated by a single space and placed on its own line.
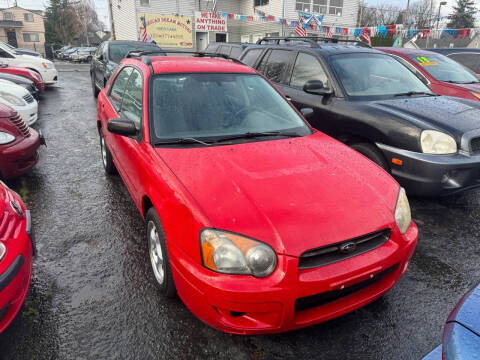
x=108 y=57
x=233 y=50
x=373 y=103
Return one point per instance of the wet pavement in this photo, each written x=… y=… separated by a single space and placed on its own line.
x=92 y=296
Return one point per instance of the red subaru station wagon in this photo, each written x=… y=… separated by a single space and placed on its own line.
x=260 y=223
x=440 y=73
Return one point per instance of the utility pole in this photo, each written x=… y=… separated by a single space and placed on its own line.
x=439 y=7
x=112 y=25
x=430 y=20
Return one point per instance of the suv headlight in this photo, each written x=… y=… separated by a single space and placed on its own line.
x=12 y=99
x=436 y=142
x=3 y=250
x=6 y=138
x=403 y=216
x=229 y=253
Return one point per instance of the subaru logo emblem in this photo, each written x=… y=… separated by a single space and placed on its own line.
x=348 y=247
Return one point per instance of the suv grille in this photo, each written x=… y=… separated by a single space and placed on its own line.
x=475 y=144
x=312 y=301
x=28 y=98
x=337 y=252
x=18 y=122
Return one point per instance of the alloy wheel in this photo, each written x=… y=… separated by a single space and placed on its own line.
x=156 y=253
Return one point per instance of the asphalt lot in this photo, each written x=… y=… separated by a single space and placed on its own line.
x=92 y=296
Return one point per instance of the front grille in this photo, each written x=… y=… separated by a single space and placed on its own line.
x=475 y=144
x=337 y=252
x=28 y=98
x=312 y=301
x=18 y=122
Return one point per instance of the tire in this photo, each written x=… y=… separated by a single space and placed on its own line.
x=158 y=255
x=371 y=152
x=107 y=160
x=94 y=87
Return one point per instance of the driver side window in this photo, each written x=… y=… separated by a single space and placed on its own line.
x=132 y=103
x=118 y=87
x=307 y=67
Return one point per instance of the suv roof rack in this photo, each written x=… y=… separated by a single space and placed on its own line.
x=144 y=55
x=312 y=40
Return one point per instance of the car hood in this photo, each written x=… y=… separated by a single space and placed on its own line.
x=444 y=113
x=12 y=88
x=294 y=194
x=32 y=59
x=467 y=309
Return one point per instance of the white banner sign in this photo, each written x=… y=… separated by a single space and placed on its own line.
x=208 y=21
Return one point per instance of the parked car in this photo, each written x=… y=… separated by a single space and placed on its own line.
x=443 y=76
x=57 y=53
x=18 y=98
x=468 y=57
x=233 y=50
x=108 y=57
x=83 y=54
x=43 y=67
x=66 y=54
x=16 y=251
x=208 y=167
x=20 y=50
x=23 y=82
x=27 y=73
x=371 y=102
x=461 y=334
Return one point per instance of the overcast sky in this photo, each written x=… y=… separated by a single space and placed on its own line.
x=100 y=5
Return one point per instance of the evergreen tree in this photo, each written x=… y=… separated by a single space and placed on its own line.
x=462 y=16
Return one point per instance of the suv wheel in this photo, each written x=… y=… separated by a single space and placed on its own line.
x=371 y=152
x=107 y=160
x=157 y=250
x=94 y=87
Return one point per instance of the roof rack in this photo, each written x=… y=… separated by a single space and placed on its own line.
x=145 y=58
x=312 y=40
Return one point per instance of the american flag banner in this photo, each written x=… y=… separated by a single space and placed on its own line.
x=214 y=6
x=367 y=38
x=328 y=32
x=144 y=29
x=299 y=29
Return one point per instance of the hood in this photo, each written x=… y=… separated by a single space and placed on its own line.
x=31 y=59
x=294 y=194
x=467 y=309
x=13 y=89
x=444 y=113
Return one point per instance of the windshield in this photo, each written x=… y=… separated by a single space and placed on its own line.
x=119 y=51
x=444 y=69
x=209 y=105
x=375 y=75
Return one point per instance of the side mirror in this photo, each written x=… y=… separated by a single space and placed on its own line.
x=307 y=112
x=122 y=127
x=316 y=87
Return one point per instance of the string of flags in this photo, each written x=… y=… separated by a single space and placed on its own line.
x=314 y=22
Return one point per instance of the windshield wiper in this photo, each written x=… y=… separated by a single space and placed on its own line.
x=184 y=140
x=411 y=93
x=248 y=135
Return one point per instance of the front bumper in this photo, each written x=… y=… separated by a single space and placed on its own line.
x=247 y=305
x=15 y=281
x=21 y=156
x=50 y=76
x=29 y=112
x=431 y=175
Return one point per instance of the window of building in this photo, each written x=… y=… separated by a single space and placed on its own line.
x=260 y=2
x=319 y=6
x=303 y=5
x=7 y=16
x=336 y=7
x=30 y=37
x=144 y=2
x=28 y=16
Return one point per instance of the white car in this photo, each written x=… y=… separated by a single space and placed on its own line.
x=44 y=67
x=18 y=98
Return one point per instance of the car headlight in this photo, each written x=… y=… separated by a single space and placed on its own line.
x=436 y=142
x=229 y=253
x=3 y=250
x=403 y=216
x=6 y=138
x=477 y=95
x=12 y=99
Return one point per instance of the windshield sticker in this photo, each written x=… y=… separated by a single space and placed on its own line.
x=423 y=61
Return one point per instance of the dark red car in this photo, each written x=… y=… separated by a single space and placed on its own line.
x=259 y=222
x=16 y=250
x=18 y=144
x=30 y=74
x=443 y=75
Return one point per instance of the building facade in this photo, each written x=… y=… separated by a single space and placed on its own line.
x=23 y=28
x=126 y=17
